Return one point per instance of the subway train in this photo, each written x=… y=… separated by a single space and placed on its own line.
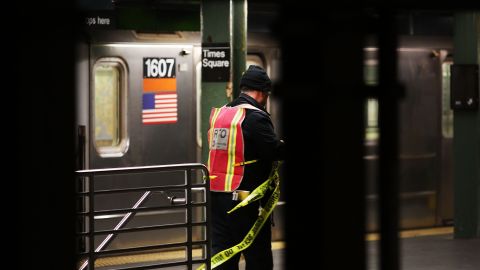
x=117 y=129
x=425 y=133
x=119 y=124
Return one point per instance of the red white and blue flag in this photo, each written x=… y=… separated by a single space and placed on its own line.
x=159 y=91
x=160 y=107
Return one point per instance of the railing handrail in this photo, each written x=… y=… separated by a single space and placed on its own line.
x=141 y=169
x=91 y=173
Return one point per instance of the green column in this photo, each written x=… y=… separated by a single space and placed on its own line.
x=466 y=141
x=215 y=27
x=239 y=42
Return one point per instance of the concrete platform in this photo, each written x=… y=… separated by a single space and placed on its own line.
x=436 y=252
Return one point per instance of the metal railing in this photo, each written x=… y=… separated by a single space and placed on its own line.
x=87 y=214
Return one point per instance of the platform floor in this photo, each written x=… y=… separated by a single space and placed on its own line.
x=432 y=249
x=435 y=252
x=420 y=250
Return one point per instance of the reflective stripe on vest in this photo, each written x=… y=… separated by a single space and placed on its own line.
x=225 y=140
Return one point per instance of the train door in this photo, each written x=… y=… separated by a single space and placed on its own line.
x=136 y=106
x=142 y=104
x=420 y=139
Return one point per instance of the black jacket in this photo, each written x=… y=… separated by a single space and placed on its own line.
x=260 y=142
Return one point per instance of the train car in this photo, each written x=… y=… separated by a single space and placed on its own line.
x=116 y=127
x=121 y=75
x=425 y=133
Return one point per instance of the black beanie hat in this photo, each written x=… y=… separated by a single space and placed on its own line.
x=256 y=78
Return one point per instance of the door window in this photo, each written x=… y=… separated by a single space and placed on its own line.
x=109 y=109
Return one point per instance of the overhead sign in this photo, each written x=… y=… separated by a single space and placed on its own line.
x=99 y=20
x=215 y=62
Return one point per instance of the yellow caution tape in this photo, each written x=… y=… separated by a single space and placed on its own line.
x=256 y=194
x=265 y=212
x=245 y=162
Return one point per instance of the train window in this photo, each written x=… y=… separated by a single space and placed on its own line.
x=371 y=132
x=370 y=72
x=371 y=106
x=109 y=107
x=447 y=113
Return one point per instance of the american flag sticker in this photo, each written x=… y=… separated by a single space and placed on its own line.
x=159 y=108
x=159 y=91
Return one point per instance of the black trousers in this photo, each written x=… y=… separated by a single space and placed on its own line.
x=230 y=229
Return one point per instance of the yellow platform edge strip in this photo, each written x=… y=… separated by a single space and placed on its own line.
x=414 y=233
x=276 y=245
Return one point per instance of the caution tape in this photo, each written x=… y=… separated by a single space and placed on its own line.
x=256 y=194
x=245 y=163
x=265 y=212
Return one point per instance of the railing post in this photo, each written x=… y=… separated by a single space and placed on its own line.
x=190 y=175
x=91 y=223
x=208 y=220
x=188 y=201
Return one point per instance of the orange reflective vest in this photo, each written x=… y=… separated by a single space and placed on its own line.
x=225 y=140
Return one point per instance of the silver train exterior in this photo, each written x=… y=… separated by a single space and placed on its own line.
x=111 y=119
x=113 y=134
x=425 y=133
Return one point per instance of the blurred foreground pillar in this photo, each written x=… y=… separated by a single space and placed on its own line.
x=322 y=55
x=466 y=138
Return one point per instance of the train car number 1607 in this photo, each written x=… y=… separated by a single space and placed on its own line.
x=158 y=67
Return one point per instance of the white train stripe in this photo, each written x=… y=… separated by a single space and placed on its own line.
x=160 y=96
x=160 y=110
x=155 y=115
x=169 y=105
x=165 y=101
